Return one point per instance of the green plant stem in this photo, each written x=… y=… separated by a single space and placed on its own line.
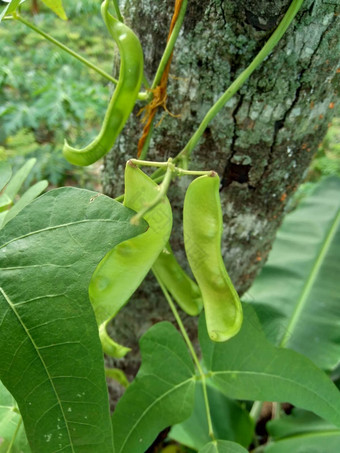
x=192 y=352
x=149 y=163
x=65 y=48
x=146 y=145
x=236 y=85
x=10 y=446
x=276 y=410
x=117 y=11
x=176 y=170
x=141 y=96
x=255 y=411
x=170 y=45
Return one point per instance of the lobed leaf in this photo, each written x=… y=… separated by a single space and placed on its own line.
x=162 y=393
x=249 y=367
x=229 y=420
x=297 y=293
x=51 y=357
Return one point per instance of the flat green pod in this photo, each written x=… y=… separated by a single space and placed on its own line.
x=202 y=226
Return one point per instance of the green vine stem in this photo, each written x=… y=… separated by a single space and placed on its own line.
x=10 y=446
x=176 y=170
x=192 y=352
x=117 y=11
x=236 y=85
x=170 y=45
x=141 y=96
x=65 y=48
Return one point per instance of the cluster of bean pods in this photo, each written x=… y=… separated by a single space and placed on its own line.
x=123 y=269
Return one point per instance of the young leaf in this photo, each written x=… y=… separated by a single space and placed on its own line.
x=230 y=421
x=162 y=393
x=302 y=431
x=222 y=446
x=51 y=357
x=10 y=8
x=249 y=367
x=11 y=428
x=32 y=193
x=297 y=292
x=57 y=7
x=5 y=202
x=18 y=179
x=5 y=173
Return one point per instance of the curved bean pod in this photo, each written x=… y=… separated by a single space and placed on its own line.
x=124 y=96
x=182 y=288
x=123 y=269
x=202 y=225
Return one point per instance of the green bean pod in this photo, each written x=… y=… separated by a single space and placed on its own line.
x=202 y=226
x=123 y=269
x=124 y=96
x=182 y=288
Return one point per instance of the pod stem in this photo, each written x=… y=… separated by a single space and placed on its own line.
x=117 y=11
x=241 y=79
x=192 y=352
x=11 y=444
x=166 y=165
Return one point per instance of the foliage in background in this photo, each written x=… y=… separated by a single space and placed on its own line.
x=45 y=94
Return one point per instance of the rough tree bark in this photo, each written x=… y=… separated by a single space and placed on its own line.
x=260 y=144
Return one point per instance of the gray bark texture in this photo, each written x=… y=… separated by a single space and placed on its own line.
x=260 y=144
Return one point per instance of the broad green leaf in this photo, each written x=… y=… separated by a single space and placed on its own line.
x=249 y=367
x=222 y=446
x=302 y=432
x=11 y=428
x=5 y=173
x=57 y=7
x=51 y=357
x=32 y=193
x=297 y=293
x=18 y=179
x=229 y=420
x=10 y=8
x=161 y=395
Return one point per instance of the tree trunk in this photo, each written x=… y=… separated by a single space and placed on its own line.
x=261 y=143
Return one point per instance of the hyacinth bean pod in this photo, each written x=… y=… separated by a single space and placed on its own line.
x=124 y=96
x=182 y=288
x=202 y=226
x=123 y=269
